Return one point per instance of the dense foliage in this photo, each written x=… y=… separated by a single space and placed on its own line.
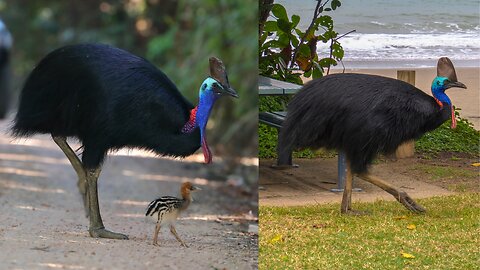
x=286 y=52
x=463 y=139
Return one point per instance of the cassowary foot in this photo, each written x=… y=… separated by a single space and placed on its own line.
x=104 y=233
x=409 y=203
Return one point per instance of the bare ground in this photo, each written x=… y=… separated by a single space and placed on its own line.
x=43 y=225
x=419 y=176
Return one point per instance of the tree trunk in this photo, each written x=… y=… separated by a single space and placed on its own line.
x=265 y=6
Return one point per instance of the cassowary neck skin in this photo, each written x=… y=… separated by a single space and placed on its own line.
x=438 y=92
x=199 y=115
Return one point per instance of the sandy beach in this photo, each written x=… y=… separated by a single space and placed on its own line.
x=468 y=100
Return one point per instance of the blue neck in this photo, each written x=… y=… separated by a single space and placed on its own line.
x=205 y=105
x=438 y=91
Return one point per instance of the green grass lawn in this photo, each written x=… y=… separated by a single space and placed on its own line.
x=390 y=237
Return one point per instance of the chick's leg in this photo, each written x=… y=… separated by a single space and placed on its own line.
x=155 y=234
x=174 y=232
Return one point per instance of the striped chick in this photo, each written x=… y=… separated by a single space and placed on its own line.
x=168 y=208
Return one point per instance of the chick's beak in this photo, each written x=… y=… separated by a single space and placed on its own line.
x=455 y=84
x=195 y=188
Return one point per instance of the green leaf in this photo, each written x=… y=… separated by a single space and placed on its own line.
x=299 y=33
x=330 y=34
x=273 y=44
x=284 y=39
x=270 y=26
x=295 y=20
x=325 y=21
x=304 y=50
x=294 y=40
x=317 y=71
x=307 y=74
x=337 y=50
x=335 y=4
x=326 y=62
x=328 y=9
x=284 y=25
x=279 y=12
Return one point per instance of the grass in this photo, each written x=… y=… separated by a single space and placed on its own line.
x=436 y=172
x=319 y=237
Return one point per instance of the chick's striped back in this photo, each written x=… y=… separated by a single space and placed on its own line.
x=164 y=204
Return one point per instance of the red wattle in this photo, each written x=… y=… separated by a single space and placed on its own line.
x=439 y=102
x=454 y=121
x=207 y=155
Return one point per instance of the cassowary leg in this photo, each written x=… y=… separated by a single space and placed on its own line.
x=401 y=196
x=77 y=166
x=96 y=224
x=174 y=232
x=155 y=235
x=347 y=191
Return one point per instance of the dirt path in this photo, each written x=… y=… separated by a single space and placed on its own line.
x=312 y=181
x=42 y=222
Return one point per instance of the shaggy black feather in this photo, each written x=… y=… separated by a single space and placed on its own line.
x=108 y=99
x=362 y=115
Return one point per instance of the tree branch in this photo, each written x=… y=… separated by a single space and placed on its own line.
x=315 y=16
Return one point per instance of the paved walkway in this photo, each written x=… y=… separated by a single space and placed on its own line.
x=312 y=181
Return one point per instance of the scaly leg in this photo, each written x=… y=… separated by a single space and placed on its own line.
x=174 y=232
x=96 y=224
x=347 y=191
x=155 y=235
x=77 y=166
x=401 y=196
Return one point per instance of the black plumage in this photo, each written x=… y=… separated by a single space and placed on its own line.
x=362 y=116
x=108 y=99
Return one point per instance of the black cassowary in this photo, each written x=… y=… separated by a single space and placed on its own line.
x=363 y=115
x=110 y=99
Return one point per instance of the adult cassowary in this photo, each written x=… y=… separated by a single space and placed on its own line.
x=363 y=115
x=110 y=99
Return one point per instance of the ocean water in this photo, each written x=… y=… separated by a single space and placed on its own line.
x=401 y=33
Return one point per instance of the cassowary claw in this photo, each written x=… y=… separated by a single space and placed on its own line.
x=409 y=203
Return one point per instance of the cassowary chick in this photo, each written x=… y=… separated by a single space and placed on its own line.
x=166 y=209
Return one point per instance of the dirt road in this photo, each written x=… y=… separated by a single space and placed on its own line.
x=43 y=226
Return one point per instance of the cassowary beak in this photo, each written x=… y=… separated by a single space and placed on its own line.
x=227 y=90
x=455 y=84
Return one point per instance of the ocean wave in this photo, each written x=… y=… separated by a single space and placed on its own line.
x=409 y=46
